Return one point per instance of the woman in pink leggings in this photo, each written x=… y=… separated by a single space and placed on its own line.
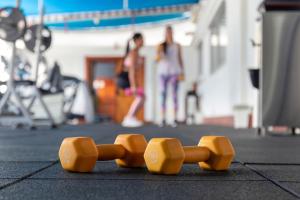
x=127 y=80
x=170 y=69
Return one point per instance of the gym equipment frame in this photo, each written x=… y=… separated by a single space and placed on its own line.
x=26 y=117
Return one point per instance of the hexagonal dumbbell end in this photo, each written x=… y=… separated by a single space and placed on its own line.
x=78 y=154
x=134 y=145
x=221 y=152
x=164 y=155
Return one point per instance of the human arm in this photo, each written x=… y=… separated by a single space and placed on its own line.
x=181 y=76
x=159 y=53
x=132 y=69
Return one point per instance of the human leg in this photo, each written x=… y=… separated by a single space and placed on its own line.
x=130 y=119
x=174 y=86
x=164 y=86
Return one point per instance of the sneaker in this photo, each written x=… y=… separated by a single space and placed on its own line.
x=131 y=122
x=162 y=123
x=174 y=124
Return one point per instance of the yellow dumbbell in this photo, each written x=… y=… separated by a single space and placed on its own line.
x=79 y=154
x=166 y=155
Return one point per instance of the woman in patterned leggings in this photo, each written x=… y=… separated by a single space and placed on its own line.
x=170 y=69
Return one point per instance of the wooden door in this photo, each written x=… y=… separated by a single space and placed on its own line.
x=101 y=73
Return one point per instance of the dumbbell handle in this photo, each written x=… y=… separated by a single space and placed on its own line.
x=194 y=154
x=110 y=151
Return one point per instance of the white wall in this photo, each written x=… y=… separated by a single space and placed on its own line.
x=230 y=85
x=71 y=56
x=214 y=88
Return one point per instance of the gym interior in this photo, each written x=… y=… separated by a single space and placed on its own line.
x=153 y=99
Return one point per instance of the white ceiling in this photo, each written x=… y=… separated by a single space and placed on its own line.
x=118 y=37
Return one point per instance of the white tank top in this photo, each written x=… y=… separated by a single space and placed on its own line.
x=169 y=64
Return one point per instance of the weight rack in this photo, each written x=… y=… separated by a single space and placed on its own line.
x=25 y=118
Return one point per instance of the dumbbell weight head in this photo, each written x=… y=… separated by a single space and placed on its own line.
x=221 y=152
x=135 y=146
x=78 y=154
x=166 y=155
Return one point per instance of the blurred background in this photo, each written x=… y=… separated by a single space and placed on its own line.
x=221 y=48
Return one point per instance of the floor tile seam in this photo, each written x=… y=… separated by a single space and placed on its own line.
x=273 y=181
x=271 y=163
x=18 y=180
x=289 y=181
x=30 y=161
x=154 y=180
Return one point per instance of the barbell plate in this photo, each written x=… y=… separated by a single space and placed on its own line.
x=12 y=24
x=30 y=38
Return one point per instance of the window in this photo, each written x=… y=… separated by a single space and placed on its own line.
x=218 y=39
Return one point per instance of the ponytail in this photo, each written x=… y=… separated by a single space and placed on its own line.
x=134 y=38
x=127 y=48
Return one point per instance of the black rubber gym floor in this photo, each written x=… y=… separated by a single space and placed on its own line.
x=264 y=168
